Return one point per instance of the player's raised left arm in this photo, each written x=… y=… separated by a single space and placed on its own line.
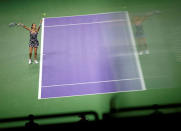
x=155 y=12
x=39 y=25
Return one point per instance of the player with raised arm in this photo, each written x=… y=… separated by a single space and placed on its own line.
x=139 y=32
x=33 y=43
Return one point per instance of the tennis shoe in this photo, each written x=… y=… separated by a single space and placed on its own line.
x=36 y=62
x=140 y=53
x=147 y=52
x=29 y=61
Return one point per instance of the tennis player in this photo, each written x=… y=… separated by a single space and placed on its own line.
x=139 y=34
x=33 y=43
x=139 y=31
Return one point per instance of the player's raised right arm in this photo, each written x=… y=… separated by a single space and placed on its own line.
x=27 y=28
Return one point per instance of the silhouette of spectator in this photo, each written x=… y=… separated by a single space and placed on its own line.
x=82 y=118
x=31 y=123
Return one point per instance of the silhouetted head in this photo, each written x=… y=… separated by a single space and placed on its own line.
x=82 y=117
x=31 y=117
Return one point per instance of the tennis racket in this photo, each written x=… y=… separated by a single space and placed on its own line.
x=155 y=12
x=13 y=24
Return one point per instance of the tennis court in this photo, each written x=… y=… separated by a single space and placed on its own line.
x=88 y=54
x=87 y=58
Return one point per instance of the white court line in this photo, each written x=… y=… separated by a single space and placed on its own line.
x=95 y=82
x=135 y=53
x=41 y=60
x=58 y=17
x=110 y=21
x=90 y=94
x=122 y=54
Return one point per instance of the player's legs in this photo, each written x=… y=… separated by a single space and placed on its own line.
x=144 y=45
x=35 y=55
x=140 y=46
x=30 y=54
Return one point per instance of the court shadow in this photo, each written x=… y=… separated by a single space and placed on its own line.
x=156 y=117
x=31 y=124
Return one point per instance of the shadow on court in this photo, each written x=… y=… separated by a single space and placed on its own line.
x=156 y=117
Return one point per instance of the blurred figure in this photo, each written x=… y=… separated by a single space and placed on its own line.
x=139 y=32
x=113 y=103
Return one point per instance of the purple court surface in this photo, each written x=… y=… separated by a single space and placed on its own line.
x=88 y=54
